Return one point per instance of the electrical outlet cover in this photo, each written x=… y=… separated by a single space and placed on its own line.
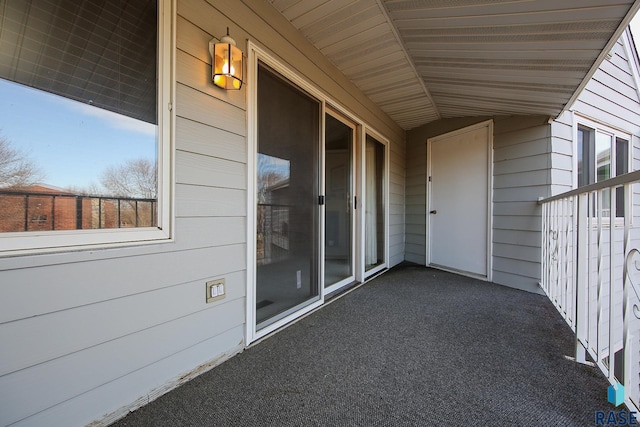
x=215 y=290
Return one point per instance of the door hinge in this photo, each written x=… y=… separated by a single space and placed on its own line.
x=429 y=179
x=321 y=200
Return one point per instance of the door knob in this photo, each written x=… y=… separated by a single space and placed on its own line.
x=433 y=212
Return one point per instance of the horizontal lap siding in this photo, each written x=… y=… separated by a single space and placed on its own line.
x=121 y=329
x=521 y=176
x=611 y=96
x=90 y=333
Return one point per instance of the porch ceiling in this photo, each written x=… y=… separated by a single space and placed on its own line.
x=422 y=60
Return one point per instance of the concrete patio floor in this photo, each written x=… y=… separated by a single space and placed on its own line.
x=413 y=347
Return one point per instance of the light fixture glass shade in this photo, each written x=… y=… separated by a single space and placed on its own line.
x=227 y=66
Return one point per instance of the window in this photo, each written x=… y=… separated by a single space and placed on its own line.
x=84 y=144
x=602 y=154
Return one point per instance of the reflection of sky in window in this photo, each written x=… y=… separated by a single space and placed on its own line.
x=603 y=156
x=72 y=143
x=277 y=169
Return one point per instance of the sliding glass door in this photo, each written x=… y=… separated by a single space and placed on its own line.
x=375 y=212
x=318 y=185
x=339 y=238
x=287 y=211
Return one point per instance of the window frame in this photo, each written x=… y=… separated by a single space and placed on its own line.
x=615 y=134
x=597 y=127
x=36 y=242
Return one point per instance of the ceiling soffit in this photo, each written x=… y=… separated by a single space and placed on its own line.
x=422 y=60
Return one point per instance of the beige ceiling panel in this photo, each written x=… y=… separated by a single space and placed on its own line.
x=421 y=60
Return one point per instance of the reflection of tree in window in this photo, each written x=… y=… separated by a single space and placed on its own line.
x=16 y=168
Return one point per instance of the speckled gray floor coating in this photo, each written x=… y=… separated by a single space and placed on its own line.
x=414 y=347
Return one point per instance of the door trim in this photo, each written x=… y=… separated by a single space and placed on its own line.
x=489 y=262
x=256 y=55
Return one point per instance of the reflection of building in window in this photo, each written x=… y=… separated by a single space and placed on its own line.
x=273 y=220
x=42 y=208
x=39 y=219
x=279 y=221
x=273 y=208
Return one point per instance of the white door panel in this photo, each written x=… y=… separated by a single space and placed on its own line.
x=459 y=201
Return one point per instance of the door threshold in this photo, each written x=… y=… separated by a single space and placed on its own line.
x=460 y=272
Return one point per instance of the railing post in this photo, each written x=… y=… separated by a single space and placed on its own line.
x=582 y=277
x=26 y=212
x=79 y=214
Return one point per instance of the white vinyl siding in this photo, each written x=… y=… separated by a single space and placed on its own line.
x=521 y=176
x=89 y=335
x=397 y=171
x=611 y=96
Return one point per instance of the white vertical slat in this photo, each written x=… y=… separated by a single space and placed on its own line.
x=543 y=264
x=591 y=206
x=600 y=274
x=566 y=218
x=561 y=259
x=582 y=277
x=612 y=280
x=626 y=303
x=554 y=254
x=546 y=236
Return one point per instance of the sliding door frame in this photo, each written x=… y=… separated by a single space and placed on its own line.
x=369 y=274
x=256 y=55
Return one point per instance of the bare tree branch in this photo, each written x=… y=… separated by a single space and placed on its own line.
x=135 y=178
x=16 y=170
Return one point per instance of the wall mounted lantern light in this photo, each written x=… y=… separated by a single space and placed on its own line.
x=226 y=60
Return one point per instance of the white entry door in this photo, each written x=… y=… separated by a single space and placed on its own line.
x=459 y=200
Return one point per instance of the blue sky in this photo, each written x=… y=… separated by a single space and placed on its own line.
x=71 y=142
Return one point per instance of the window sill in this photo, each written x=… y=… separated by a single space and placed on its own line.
x=47 y=242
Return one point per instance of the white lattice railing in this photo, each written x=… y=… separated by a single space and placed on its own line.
x=591 y=273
